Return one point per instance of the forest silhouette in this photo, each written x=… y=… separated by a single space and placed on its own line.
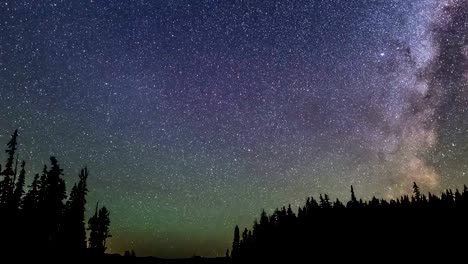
x=43 y=221
x=416 y=225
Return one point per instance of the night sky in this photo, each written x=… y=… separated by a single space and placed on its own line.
x=192 y=116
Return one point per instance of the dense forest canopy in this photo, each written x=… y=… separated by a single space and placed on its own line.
x=358 y=227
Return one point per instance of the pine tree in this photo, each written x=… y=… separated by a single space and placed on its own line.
x=244 y=246
x=54 y=194
x=374 y=203
x=310 y=207
x=93 y=227
x=42 y=190
x=290 y=212
x=104 y=223
x=6 y=184
x=353 y=203
x=74 y=230
x=325 y=201
x=338 y=204
x=19 y=189
x=235 y=243
x=300 y=213
x=98 y=225
x=31 y=199
x=417 y=193
x=11 y=154
x=32 y=218
x=264 y=220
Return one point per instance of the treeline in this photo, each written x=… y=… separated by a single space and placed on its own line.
x=416 y=224
x=43 y=220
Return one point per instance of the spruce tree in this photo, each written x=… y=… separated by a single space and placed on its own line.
x=54 y=194
x=353 y=203
x=98 y=225
x=42 y=188
x=11 y=154
x=338 y=204
x=31 y=199
x=6 y=184
x=417 y=193
x=235 y=243
x=74 y=231
x=19 y=189
x=325 y=201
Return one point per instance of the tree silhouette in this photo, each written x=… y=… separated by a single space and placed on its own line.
x=98 y=225
x=338 y=204
x=417 y=193
x=320 y=229
x=54 y=195
x=43 y=186
x=325 y=202
x=19 y=189
x=6 y=184
x=74 y=230
x=31 y=199
x=38 y=221
x=353 y=203
x=11 y=154
x=235 y=243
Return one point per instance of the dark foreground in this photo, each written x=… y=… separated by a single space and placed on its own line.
x=150 y=260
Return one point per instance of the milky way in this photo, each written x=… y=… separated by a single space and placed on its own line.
x=192 y=116
x=413 y=92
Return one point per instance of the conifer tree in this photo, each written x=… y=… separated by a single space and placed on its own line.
x=353 y=203
x=54 y=194
x=417 y=193
x=19 y=189
x=74 y=230
x=6 y=184
x=98 y=225
x=235 y=243
x=31 y=199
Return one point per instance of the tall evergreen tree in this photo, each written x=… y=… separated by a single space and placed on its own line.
x=325 y=201
x=6 y=184
x=42 y=188
x=98 y=225
x=73 y=230
x=417 y=193
x=54 y=194
x=31 y=199
x=353 y=203
x=11 y=154
x=104 y=223
x=19 y=188
x=235 y=243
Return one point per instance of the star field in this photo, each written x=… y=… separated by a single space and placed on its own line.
x=192 y=116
